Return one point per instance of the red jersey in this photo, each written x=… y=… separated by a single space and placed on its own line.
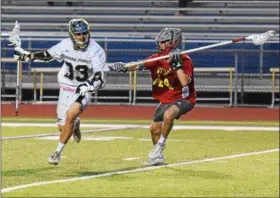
x=166 y=86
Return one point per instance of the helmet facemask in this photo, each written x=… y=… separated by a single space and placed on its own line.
x=79 y=33
x=172 y=36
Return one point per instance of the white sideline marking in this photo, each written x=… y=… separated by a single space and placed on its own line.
x=169 y=140
x=109 y=138
x=13 y=188
x=7 y=124
x=131 y=158
x=99 y=138
x=56 y=134
x=193 y=127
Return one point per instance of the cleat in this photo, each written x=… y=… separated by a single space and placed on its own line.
x=154 y=161
x=157 y=151
x=77 y=132
x=54 y=158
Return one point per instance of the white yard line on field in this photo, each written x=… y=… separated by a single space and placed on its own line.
x=56 y=134
x=111 y=127
x=131 y=158
x=13 y=188
x=11 y=124
x=193 y=127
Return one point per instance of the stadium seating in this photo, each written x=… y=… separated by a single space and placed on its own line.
x=144 y=18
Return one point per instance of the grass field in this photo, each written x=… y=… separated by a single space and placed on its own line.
x=200 y=162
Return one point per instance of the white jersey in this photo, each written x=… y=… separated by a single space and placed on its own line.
x=78 y=66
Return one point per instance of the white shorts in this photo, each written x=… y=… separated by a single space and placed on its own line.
x=67 y=96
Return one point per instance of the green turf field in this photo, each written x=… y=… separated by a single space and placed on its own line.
x=200 y=163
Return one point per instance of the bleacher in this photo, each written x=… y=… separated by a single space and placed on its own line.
x=144 y=18
x=204 y=20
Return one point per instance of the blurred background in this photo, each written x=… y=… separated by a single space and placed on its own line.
x=240 y=74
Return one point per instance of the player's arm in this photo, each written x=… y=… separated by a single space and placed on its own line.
x=184 y=78
x=25 y=56
x=120 y=67
x=177 y=64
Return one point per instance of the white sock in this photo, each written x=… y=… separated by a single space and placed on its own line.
x=60 y=147
x=162 y=139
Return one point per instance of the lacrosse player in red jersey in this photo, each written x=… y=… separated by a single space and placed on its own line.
x=173 y=87
x=82 y=72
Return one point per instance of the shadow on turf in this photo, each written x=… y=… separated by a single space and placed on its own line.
x=89 y=173
x=181 y=173
x=24 y=171
x=202 y=174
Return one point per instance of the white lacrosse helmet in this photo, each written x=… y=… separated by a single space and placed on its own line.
x=173 y=35
x=78 y=27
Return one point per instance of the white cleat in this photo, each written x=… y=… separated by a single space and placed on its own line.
x=77 y=132
x=54 y=158
x=157 y=151
x=154 y=161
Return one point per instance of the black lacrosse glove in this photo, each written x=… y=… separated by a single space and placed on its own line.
x=118 y=67
x=175 y=60
x=85 y=88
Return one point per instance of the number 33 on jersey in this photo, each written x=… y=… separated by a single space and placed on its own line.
x=78 y=65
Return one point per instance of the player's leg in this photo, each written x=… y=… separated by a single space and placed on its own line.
x=155 y=130
x=71 y=115
x=168 y=119
x=70 y=106
x=174 y=111
x=66 y=131
x=77 y=132
x=167 y=113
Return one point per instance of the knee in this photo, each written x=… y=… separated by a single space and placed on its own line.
x=60 y=128
x=70 y=117
x=168 y=117
x=154 y=129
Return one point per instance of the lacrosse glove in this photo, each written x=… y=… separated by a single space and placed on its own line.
x=118 y=67
x=21 y=55
x=84 y=88
x=175 y=60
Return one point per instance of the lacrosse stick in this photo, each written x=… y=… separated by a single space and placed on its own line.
x=15 y=42
x=257 y=39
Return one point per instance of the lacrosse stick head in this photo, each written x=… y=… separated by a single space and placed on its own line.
x=14 y=36
x=260 y=39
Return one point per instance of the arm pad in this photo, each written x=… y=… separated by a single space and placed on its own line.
x=41 y=56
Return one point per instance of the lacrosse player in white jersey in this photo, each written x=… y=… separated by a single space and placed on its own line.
x=81 y=74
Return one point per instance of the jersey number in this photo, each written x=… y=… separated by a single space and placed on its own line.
x=82 y=69
x=162 y=83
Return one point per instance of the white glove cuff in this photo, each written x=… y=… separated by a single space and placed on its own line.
x=21 y=51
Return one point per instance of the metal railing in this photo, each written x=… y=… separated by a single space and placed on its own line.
x=274 y=87
x=134 y=82
x=132 y=87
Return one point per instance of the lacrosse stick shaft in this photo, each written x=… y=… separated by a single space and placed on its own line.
x=16 y=42
x=18 y=87
x=187 y=51
x=257 y=39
